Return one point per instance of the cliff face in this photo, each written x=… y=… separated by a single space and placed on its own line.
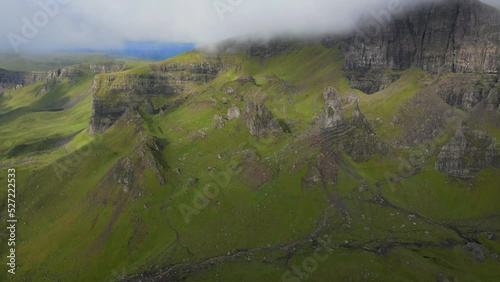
x=259 y=119
x=468 y=152
x=447 y=36
x=115 y=94
x=356 y=136
x=13 y=80
x=466 y=91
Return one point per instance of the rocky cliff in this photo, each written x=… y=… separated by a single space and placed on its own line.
x=468 y=151
x=460 y=36
x=259 y=119
x=114 y=94
x=356 y=136
x=13 y=80
x=465 y=91
x=333 y=112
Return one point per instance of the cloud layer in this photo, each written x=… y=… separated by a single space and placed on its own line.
x=39 y=25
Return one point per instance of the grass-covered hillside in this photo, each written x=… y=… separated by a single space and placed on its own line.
x=239 y=177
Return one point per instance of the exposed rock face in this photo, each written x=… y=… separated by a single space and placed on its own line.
x=150 y=109
x=219 y=122
x=150 y=148
x=371 y=81
x=475 y=251
x=233 y=113
x=421 y=119
x=357 y=138
x=333 y=112
x=261 y=49
x=198 y=72
x=361 y=142
x=114 y=94
x=465 y=91
x=446 y=36
x=259 y=119
x=492 y=102
x=11 y=80
x=246 y=79
x=468 y=152
x=312 y=178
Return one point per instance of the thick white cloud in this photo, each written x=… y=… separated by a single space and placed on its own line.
x=108 y=23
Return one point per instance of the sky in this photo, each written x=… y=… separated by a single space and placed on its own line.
x=48 y=25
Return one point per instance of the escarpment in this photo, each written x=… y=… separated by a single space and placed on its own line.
x=458 y=36
x=456 y=42
x=259 y=119
x=14 y=79
x=466 y=91
x=114 y=94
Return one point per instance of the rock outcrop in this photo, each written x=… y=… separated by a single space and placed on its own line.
x=219 y=122
x=475 y=251
x=371 y=81
x=260 y=120
x=467 y=152
x=333 y=112
x=492 y=102
x=361 y=142
x=460 y=36
x=233 y=113
x=356 y=137
x=12 y=79
x=465 y=91
x=114 y=94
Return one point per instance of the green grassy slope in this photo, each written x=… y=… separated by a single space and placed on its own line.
x=94 y=208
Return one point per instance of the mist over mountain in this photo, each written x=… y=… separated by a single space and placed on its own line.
x=47 y=25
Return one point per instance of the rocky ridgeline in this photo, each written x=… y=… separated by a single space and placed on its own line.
x=468 y=152
x=459 y=36
x=114 y=94
x=13 y=80
x=452 y=36
x=203 y=71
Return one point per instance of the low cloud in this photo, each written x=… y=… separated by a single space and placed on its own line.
x=97 y=24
